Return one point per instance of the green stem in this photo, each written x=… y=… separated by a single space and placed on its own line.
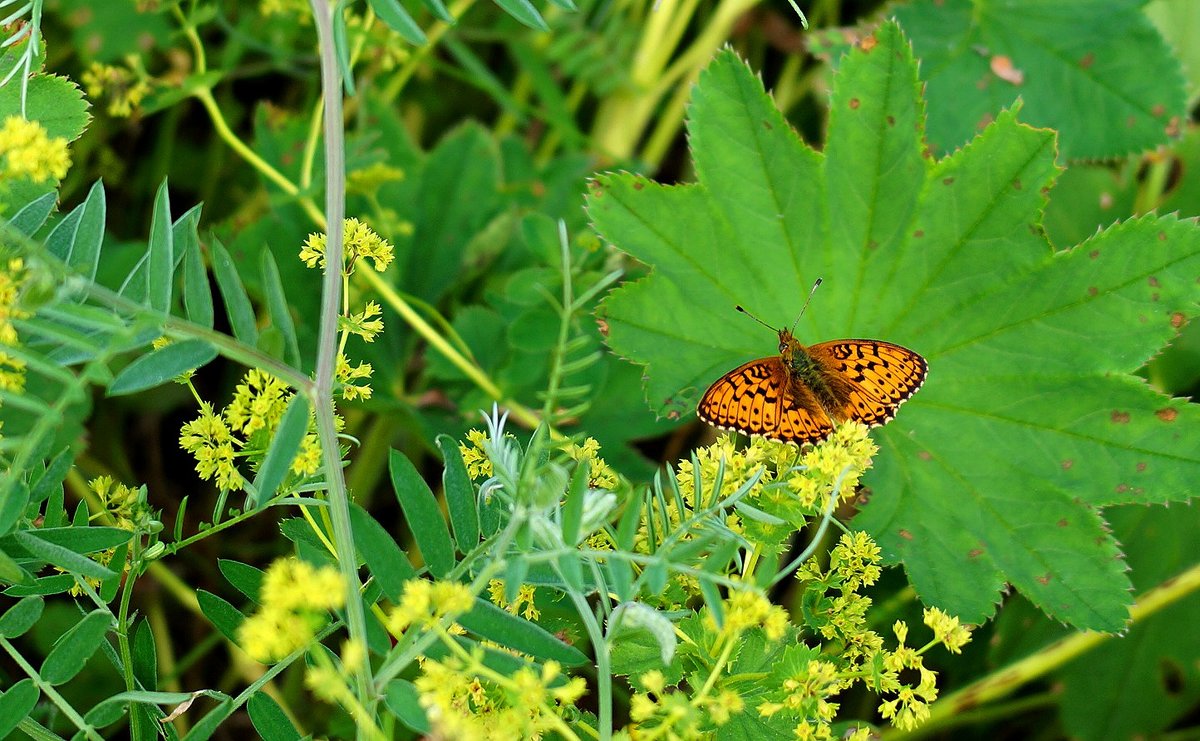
x=622 y=119
x=123 y=627
x=321 y=393
x=1149 y=195
x=603 y=665
x=204 y=95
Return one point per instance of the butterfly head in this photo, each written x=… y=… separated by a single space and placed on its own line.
x=788 y=344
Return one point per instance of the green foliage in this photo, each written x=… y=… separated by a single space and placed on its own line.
x=1059 y=57
x=947 y=257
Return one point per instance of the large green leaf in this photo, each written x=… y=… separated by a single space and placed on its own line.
x=1029 y=420
x=54 y=102
x=75 y=647
x=459 y=194
x=1067 y=56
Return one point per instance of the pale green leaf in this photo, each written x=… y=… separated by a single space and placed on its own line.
x=160 y=366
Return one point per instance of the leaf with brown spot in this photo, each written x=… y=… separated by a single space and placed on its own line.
x=1025 y=366
x=1097 y=71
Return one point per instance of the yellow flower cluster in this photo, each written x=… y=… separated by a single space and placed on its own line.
x=523 y=603
x=740 y=466
x=425 y=603
x=365 y=324
x=693 y=715
x=947 y=630
x=746 y=609
x=910 y=707
x=122 y=86
x=296 y=597
x=840 y=614
x=121 y=502
x=211 y=443
x=600 y=474
x=244 y=430
x=12 y=369
x=479 y=466
x=465 y=700
x=359 y=242
x=807 y=694
x=259 y=402
x=349 y=375
x=28 y=151
x=790 y=484
x=842 y=459
x=659 y=713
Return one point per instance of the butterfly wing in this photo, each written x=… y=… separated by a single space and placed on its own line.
x=881 y=376
x=758 y=398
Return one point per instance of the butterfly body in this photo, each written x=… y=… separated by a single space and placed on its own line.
x=800 y=394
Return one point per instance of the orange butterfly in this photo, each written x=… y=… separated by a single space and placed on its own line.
x=798 y=395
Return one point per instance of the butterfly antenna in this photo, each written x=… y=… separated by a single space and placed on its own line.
x=811 y=291
x=760 y=321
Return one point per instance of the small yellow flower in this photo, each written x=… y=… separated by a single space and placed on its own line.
x=600 y=474
x=119 y=500
x=123 y=88
x=292 y=584
x=271 y=634
x=28 y=151
x=947 y=630
x=210 y=441
x=326 y=683
x=365 y=324
x=844 y=457
x=359 y=241
x=474 y=455
x=425 y=603
x=724 y=706
x=347 y=375
x=642 y=707
x=258 y=403
x=654 y=681
x=353 y=655
x=308 y=461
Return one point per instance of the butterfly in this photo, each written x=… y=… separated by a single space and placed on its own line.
x=798 y=395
